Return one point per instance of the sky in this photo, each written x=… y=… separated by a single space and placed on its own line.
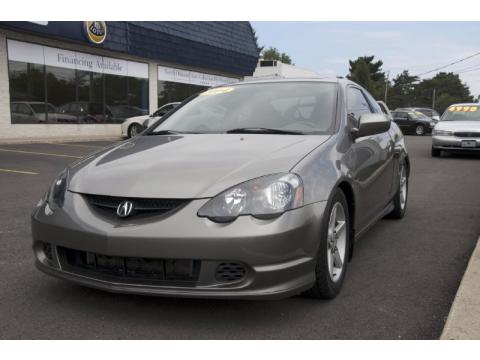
x=326 y=47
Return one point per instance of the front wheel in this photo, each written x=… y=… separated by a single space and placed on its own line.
x=333 y=251
x=134 y=130
x=400 y=199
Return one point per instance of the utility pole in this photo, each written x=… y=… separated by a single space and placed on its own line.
x=433 y=100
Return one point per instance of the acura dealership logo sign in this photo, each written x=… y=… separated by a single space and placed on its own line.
x=125 y=209
x=96 y=31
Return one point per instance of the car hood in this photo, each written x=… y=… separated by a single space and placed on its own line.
x=139 y=119
x=458 y=125
x=187 y=166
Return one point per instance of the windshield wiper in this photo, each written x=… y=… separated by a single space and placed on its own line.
x=261 y=130
x=168 y=132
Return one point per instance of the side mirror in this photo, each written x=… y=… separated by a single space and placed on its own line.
x=371 y=124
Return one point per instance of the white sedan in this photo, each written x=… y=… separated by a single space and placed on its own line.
x=458 y=130
x=133 y=126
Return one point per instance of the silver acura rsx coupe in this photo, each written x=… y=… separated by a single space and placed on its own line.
x=252 y=190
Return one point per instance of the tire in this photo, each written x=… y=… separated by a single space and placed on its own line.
x=420 y=130
x=435 y=152
x=134 y=130
x=401 y=197
x=328 y=277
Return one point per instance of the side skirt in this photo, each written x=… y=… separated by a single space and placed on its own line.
x=386 y=210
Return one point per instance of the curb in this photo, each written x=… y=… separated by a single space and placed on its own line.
x=463 y=322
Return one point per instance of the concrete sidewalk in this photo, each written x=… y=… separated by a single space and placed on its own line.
x=463 y=322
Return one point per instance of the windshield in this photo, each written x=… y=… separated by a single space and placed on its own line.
x=462 y=113
x=418 y=115
x=295 y=107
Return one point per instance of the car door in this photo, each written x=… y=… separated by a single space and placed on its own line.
x=373 y=165
x=26 y=114
x=401 y=119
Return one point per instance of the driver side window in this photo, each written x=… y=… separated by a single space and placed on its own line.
x=357 y=104
x=163 y=111
x=24 y=109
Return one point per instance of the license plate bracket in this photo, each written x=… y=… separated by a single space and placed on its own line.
x=469 y=143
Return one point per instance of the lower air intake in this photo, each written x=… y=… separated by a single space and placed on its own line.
x=230 y=272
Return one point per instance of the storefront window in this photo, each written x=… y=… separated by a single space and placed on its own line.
x=138 y=94
x=125 y=97
x=27 y=92
x=171 y=91
x=43 y=93
x=179 y=84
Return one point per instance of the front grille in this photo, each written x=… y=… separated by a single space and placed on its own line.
x=465 y=134
x=140 y=205
x=230 y=271
x=173 y=272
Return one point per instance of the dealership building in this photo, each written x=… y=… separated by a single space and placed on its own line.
x=82 y=79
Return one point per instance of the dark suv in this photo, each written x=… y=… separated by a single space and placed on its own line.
x=413 y=122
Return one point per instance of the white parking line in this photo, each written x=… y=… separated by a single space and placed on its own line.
x=19 y=172
x=40 y=153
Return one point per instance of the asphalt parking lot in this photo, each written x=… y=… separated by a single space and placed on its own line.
x=400 y=284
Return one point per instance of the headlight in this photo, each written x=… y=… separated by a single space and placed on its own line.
x=442 y=132
x=56 y=194
x=265 y=197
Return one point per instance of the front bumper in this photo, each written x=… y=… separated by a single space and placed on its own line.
x=278 y=254
x=453 y=143
x=124 y=127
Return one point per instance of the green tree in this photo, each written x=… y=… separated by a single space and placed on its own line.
x=410 y=91
x=272 y=53
x=361 y=75
x=449 y=89
x=376 y=85
x=402 y=91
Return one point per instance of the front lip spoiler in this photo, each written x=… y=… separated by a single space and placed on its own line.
x=171 y=292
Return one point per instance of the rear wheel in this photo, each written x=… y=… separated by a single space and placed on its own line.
x=435 y=152
x=333 y=250
x=420 y=130
x=134 y=130
x=400 y=199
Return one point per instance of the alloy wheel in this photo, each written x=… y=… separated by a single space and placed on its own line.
x=135 y=130
x=336 y=241
x=403 y=187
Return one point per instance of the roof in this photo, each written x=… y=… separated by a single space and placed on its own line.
x=283 y=79
x=223 y=46
x=341 y=81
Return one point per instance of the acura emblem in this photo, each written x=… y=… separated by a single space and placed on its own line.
x=125 y=208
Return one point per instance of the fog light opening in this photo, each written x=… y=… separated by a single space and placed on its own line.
x=48 y=251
